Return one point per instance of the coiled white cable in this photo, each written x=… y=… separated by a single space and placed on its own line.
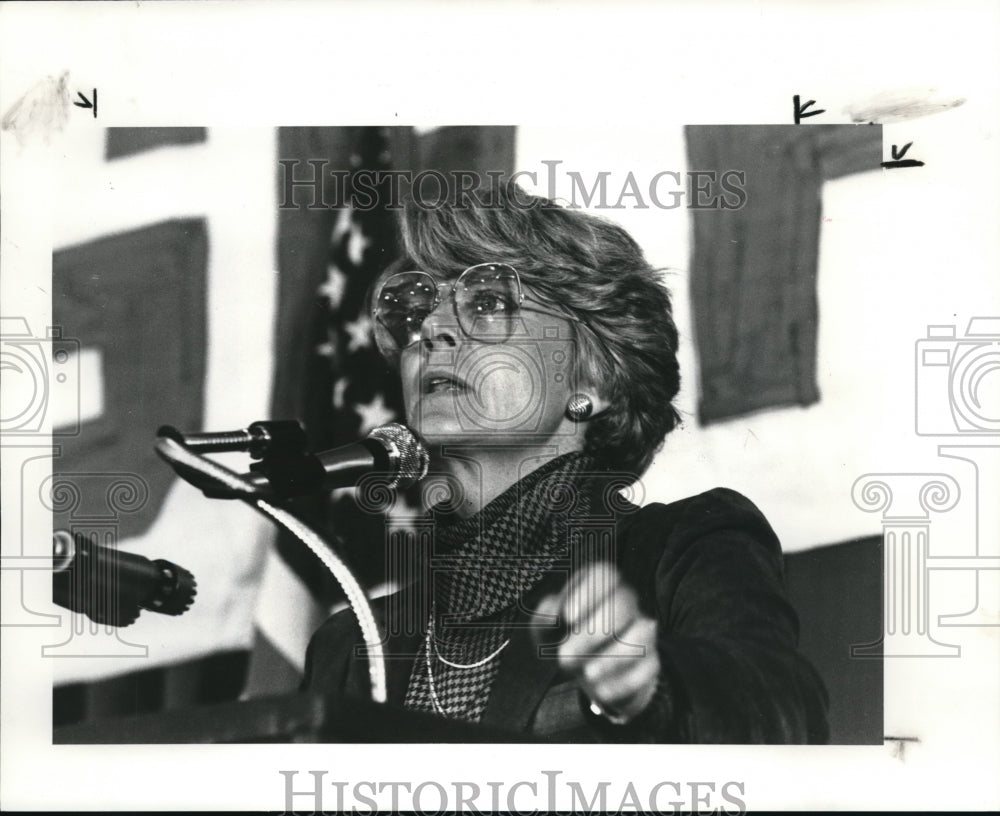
x=352 y=589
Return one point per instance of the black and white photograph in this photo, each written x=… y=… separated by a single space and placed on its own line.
x=516 y=409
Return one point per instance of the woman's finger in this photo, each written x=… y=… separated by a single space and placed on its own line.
x=598 y=599
x=624 y=683
x=605 y=627
x=616 y=655
x=547 y=617
x=627 y=692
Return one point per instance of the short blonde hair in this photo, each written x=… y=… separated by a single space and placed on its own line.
x=627 y=339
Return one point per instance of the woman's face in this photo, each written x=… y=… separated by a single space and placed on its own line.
x=461 y=390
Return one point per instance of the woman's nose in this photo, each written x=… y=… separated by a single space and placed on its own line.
x=440 y=329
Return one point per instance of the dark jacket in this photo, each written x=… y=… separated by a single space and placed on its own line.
x=709 y=568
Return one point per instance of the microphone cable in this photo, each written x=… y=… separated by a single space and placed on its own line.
x=186 y=463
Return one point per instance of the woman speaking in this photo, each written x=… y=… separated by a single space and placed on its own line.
x=537 y=355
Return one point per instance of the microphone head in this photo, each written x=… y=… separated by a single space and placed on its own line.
x=408 y=458
x=174 y=592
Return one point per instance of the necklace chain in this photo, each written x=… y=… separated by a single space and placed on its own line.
x=431 y=645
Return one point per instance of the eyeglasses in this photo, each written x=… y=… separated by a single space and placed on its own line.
x=487 y=299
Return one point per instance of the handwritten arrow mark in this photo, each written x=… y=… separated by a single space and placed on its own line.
x=86 y=103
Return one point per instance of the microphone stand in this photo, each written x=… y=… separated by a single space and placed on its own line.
x=219 y=481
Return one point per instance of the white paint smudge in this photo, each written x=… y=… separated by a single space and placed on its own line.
x=900 y=105
x=42 y=111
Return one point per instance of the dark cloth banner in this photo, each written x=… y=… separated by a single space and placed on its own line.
x=754 y=267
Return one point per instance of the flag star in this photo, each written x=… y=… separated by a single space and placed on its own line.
x=326 y=349
x=359 y=333
x=339 y=388
x=357 y=243
x=343 y=223
x=374 y=413
x=333 y=289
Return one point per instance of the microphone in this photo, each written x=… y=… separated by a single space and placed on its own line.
x=110 y=586
x=391 y=450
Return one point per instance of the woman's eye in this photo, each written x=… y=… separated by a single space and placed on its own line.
x=490 y=303
x=415 y=315
x=404 y=316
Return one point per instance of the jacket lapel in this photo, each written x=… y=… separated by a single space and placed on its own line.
x=525 y=673
x=399 y=650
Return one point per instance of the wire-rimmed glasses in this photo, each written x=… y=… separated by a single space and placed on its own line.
x=486 y=297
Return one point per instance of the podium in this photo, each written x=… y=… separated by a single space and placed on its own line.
x=305 y=717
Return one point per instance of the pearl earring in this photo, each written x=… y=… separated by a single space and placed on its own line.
x=579 y=407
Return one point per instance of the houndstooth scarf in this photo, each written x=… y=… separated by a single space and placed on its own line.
x=483 y=564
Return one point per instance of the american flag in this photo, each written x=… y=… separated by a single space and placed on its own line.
x=353 y=390
x=347 y=391
x=343 y=389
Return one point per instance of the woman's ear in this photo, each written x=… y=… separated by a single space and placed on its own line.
x=600 y=403
x=596 y=395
